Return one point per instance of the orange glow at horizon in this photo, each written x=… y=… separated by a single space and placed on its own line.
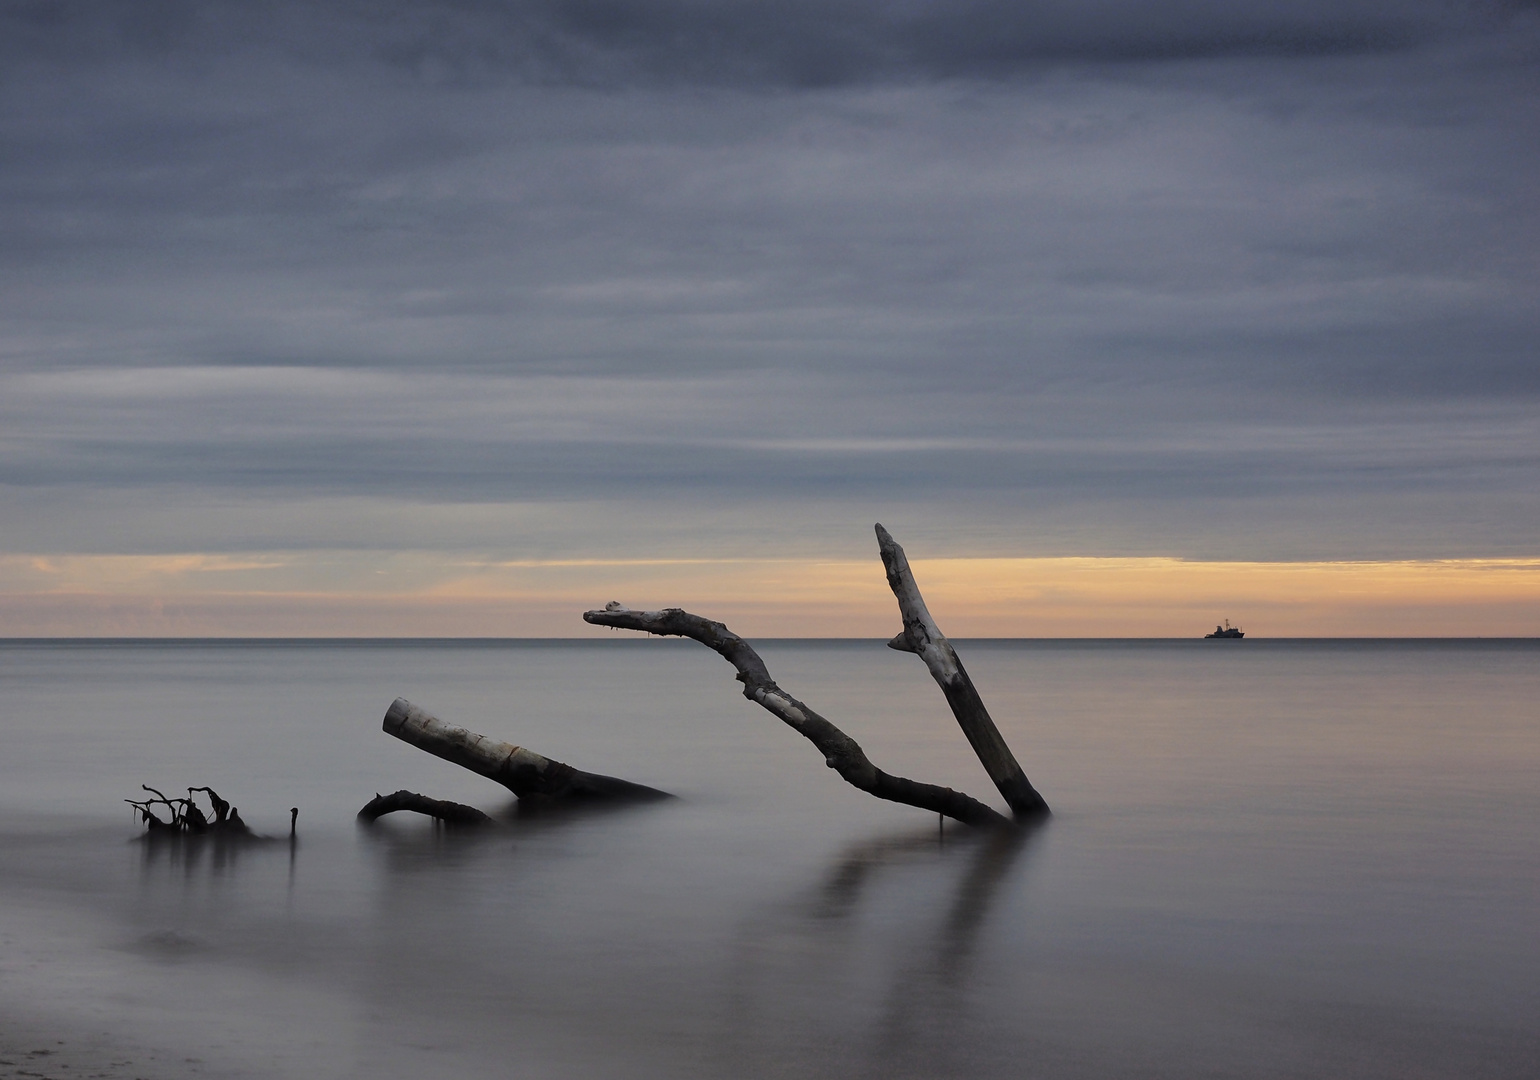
x=429 y=594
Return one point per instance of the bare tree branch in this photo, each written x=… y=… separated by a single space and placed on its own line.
x=921 y=635
x=841 y=753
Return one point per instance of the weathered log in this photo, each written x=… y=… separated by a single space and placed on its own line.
x=525 y=773
x=450 y=813
x=841 y=753
x=921 y=635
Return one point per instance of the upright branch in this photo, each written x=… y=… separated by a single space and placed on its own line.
x=841 y=753
x=921 y=635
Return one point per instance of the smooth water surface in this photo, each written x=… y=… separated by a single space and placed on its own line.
x=1268 y=859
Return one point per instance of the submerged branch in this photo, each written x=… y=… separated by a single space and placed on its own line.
x=525 y=773
x=450 y=813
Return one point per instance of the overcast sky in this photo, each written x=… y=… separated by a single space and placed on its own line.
x=688 y=279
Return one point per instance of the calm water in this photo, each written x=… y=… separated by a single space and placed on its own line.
x=1269 y=859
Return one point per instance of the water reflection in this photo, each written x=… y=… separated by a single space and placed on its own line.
x=1187 y=917
x=990 y=858
x=929 y=1000
x=191 y=853
x=589 y=923
x=976 y=891
x=876 y=958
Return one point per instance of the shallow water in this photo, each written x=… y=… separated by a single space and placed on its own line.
x=1267 y=859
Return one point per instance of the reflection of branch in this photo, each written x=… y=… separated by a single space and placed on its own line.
x=843 y=886
x=928 y=992
x=976 y=892
x=976 y=889
x=921 y=635
x=838 y=930
x=841 y=753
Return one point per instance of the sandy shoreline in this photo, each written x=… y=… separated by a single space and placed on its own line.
x=31 y=1049
x=23 y=1054
x=68 y=1048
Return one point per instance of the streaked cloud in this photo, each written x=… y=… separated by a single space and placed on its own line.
x=539 y=281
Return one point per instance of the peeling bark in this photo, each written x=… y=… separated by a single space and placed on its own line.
x=450 y=813
x=841 y=753
x=922 y=636
x=525 y=773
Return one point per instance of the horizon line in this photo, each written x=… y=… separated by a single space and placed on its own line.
x=299 y=639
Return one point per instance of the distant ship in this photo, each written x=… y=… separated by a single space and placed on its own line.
x=1225 y=631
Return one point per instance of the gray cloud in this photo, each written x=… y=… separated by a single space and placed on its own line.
x=776 y=42
x=1246 y=278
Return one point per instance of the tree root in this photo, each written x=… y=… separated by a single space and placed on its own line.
x=187 y=818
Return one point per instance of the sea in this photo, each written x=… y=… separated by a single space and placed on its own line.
x=1266 y=858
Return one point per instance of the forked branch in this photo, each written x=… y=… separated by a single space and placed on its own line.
x=841 y=753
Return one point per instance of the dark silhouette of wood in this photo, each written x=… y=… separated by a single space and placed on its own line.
x=187 y=818
x=922 y=636
x=453 y=814
x=221 y=808
x=528 y=775
x=841 y=753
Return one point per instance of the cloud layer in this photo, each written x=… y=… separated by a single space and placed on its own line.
x=1249 y=281
x=798 y=43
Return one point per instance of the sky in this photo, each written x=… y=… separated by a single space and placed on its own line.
x=458 y=318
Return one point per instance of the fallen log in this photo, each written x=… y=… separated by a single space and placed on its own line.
x=841 y=753
x=922 y=636
x=453 y=814
x=528 y=775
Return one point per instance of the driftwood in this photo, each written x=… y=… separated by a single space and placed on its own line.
x=528 y=775
x=453 y=814
x=187 y=818
x=921 y=635
x=537 y=778
x=840 y=751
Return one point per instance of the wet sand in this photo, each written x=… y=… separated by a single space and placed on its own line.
x=33 y=1049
